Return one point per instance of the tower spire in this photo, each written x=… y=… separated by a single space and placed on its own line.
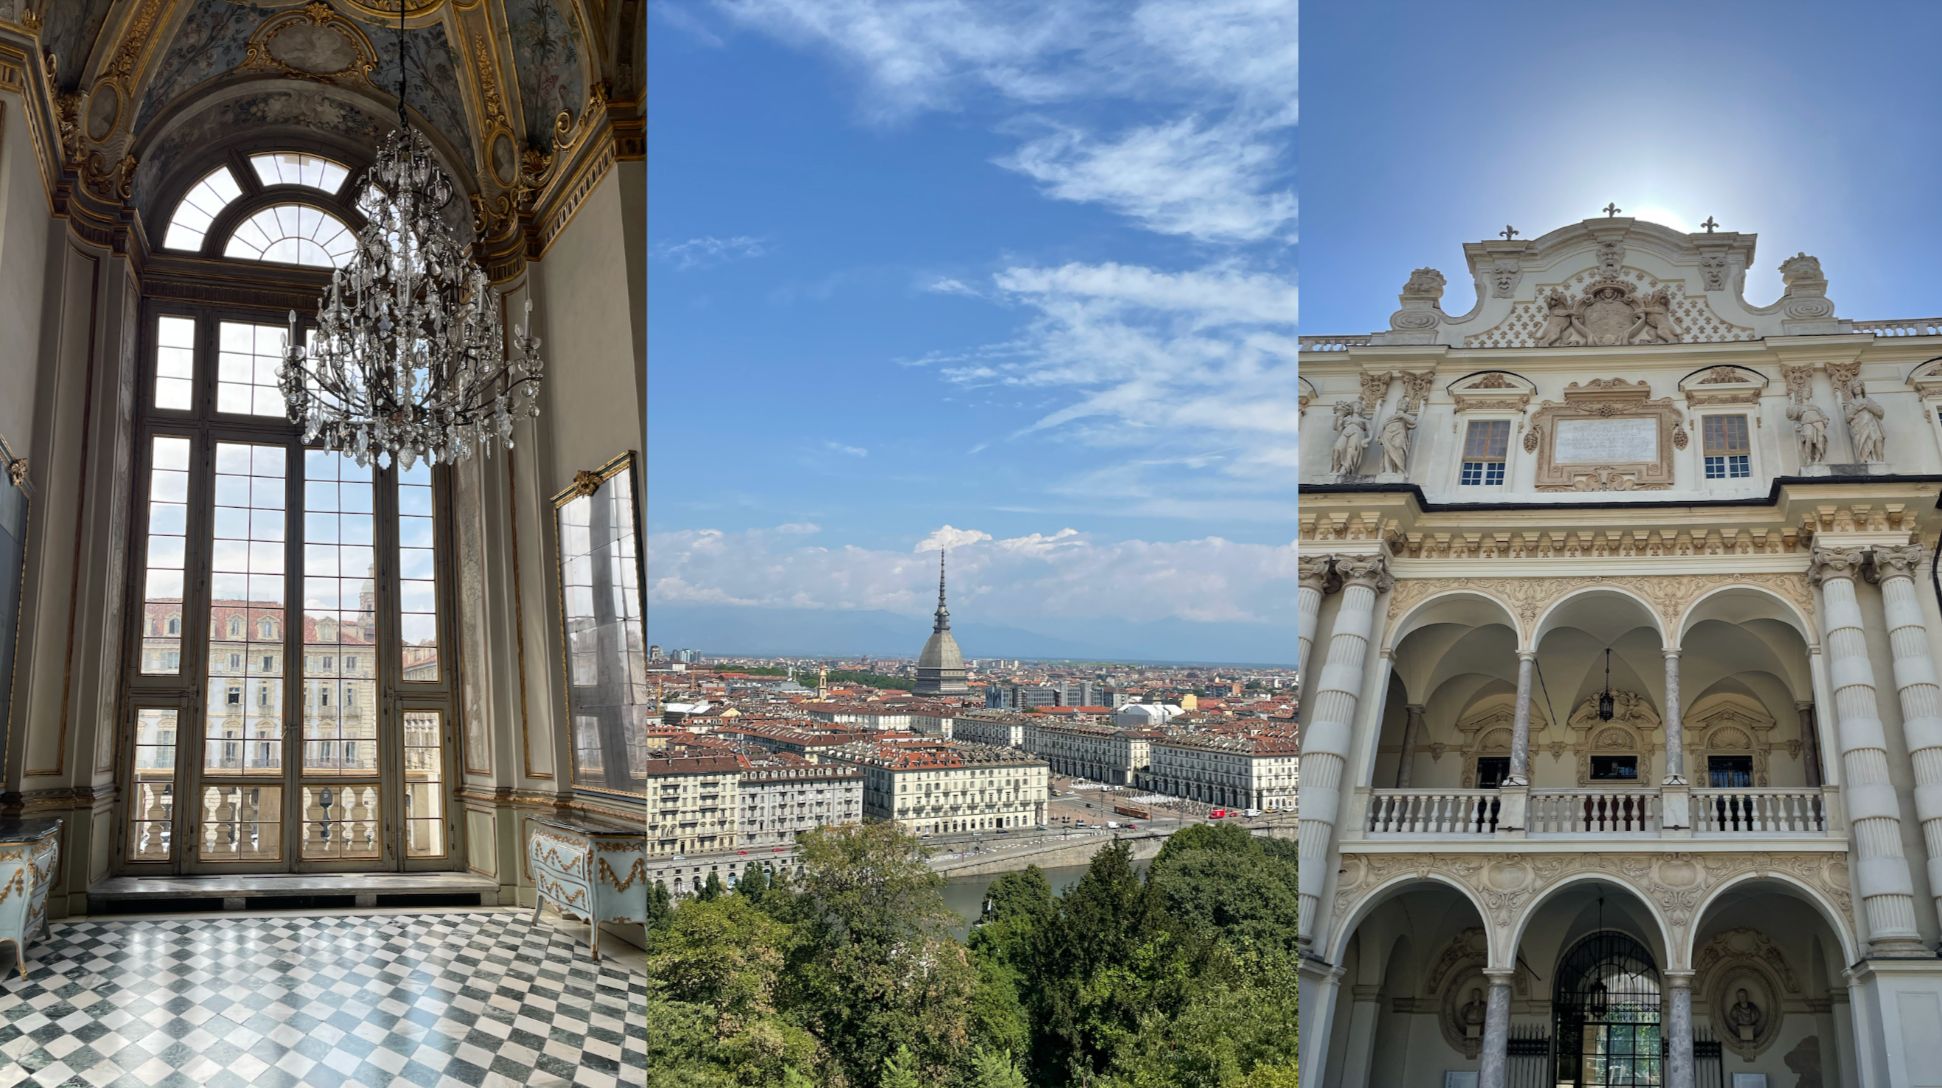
x=943 y=614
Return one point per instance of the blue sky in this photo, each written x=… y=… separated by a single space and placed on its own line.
x=1427 y=125
x=1010 y=276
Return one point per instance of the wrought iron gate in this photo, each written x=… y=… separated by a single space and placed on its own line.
x=1532 y=1061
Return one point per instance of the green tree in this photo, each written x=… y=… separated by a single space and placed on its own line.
x=715 y=967
x=660 y=905
x=993 y=1069
x=712 y=889
x=900 y=1070
x=754 y=883
x=1243 y=888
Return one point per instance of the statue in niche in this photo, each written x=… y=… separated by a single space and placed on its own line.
x=1395 y=441
x=1471 y=1016
x=1351 y=438
x=1864 y=426
x=1655 y=320
x=1744 y=1018
x=1563 y=324
x=1810 y=430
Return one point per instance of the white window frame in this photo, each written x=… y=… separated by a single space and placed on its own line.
x=1511 y=450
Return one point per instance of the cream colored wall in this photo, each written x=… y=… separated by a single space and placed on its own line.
x=24 y=231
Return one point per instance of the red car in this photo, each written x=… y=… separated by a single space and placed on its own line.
x=1217 y=814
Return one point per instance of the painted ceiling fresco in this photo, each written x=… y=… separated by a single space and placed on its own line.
x=552 y=73
x=68 y=29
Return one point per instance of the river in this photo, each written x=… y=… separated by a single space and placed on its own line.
x=965 y=894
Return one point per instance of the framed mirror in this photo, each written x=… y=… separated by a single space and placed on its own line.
x=604 y=630
x=15 y=493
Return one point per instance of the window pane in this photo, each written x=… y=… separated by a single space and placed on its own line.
x=244 y=731
x=151 y=809
x=418 y=575
x=340 y=688
x=246 y=363
x=175 y=360
x=167 y=545
x=293 y=234
x=193 y=215
x=1487 y=438
x=424 y=785
x=242 y=823
x=341 y=821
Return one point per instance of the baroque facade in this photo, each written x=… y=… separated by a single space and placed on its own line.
x=1622 y=728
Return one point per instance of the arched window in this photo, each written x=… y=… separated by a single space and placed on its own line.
x=293 y=234
x=175 y=625
x=198 y=209
x=266 y=629
x=299 y=168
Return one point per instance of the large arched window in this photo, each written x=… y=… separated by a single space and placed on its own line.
x=316 y=591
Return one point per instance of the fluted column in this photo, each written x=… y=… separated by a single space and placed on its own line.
x=1520 y=728
x=1679 y=1029
x=1331 y=714
x=1918 y=693
x=1881 y=877
x=1493 y=1067
x=1315 y=570
x=1675 y=725
x=1810 y=739
x=1412 y=729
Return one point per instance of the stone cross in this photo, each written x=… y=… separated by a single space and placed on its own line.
x=1611 y=210
x=1709 y=224
x=1508 y=232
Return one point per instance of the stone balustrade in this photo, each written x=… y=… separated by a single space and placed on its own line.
x=1625 y=812
x=1759 y=811
x=1433 y=812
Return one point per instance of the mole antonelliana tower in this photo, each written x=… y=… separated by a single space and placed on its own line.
x=940 y=667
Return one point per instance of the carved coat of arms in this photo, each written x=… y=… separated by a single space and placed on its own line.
x=1611 y=312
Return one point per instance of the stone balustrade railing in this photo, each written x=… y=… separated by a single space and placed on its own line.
x=1333 y=343
x=1759 y=811
x=1433 y=812
x=1591 y=811
x=1907 y=326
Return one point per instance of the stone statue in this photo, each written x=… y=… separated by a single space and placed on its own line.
x=1864 y=426
x=1471 y=1016
x=1562 y=322
x=1655 y=320
x=1395 y=441
x=1745 y=1018
x=1351 y=438
x=1810 y=430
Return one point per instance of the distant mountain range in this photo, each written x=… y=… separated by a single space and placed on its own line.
x=788 y=632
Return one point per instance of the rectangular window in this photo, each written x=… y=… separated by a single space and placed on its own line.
x=1486 y=445
x=1614 y=768
x=1491 y=771
x=151 y=811
x=417 y=574
x=246 y=366
x=246 y=591
x=340 y=610
x=1727 y=450
x=175 y=363
x=1729 y=772
x=424 y=784
x=168 y=538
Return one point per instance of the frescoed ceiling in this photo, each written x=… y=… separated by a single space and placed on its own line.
x=507 y=88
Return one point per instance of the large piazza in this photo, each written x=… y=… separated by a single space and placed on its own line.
x=1623 y=733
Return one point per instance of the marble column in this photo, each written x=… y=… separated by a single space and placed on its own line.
x=1895 y=569
x=1314 y=572
x=1810 y=739
x=1364 y=1009
x=1331 y=716
x=1520 y=729
x=1679 y=1029
x=1881 y=878
x=1493 y=1068
x=1412 y=730
x=1675 y=725
x=1318 y=985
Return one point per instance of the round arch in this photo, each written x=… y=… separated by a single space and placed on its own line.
x=1775 y=607
x=1344 y=928
x=1503 y=955
x=1797 y=888
x=1442 y=607
x=1551 y=618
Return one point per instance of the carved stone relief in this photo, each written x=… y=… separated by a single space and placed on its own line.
x=1608 y=434
x=1626 y=306
x=1668 y=595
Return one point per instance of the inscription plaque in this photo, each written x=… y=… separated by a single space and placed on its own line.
x=1626 y=440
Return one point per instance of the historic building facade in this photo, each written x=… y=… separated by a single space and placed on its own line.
x=1619 y=620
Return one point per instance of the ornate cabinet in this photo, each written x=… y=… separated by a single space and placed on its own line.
x=588 y=870
x=30 y=855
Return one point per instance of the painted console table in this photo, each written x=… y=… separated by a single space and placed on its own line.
x=30 y=855
x=588 y=870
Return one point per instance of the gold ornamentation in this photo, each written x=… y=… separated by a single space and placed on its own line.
x=637 y=872
x=585 y=483
x=17 y=471
x=262 y=54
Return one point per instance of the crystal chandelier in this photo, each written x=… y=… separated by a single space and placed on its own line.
x=409 y=358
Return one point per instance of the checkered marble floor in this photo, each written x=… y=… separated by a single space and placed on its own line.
x=437 y=1000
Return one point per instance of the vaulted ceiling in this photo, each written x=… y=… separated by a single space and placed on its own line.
x=507 y=88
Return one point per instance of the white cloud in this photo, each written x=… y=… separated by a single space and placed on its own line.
x=799 y=528
x=707 y=250
x=951 y=537
x=950 y=285
x=847 y=451
x=682 y=19
x=1224 y=71
x=1059 y=576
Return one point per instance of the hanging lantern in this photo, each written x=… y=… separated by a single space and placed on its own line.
x=1605 y=702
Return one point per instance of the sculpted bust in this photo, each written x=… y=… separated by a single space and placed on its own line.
x=1745 y=1017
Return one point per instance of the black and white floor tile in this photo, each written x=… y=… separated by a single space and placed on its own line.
x=438 y=1000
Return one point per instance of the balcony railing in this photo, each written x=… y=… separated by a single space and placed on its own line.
x=1626 y=812
x=1433 y=812
x=1759 y=811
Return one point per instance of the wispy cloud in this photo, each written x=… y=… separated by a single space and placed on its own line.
x=707 y=250
x=1062 y=574
x=845 y=450
x=682 y=19
x=1224 y=72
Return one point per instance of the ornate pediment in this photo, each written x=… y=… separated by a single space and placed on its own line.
x=1492 y=391
x=1606 y=306
x=1725 y=384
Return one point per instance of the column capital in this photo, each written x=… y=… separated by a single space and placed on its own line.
x=1678 y=980
x=1314 y=571
x=1803 y=704
x=1500 y=976
x=1830 y=563
x=1527 y=655
x=1671 y=653
x=1899 y=561
x=1365 y=570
